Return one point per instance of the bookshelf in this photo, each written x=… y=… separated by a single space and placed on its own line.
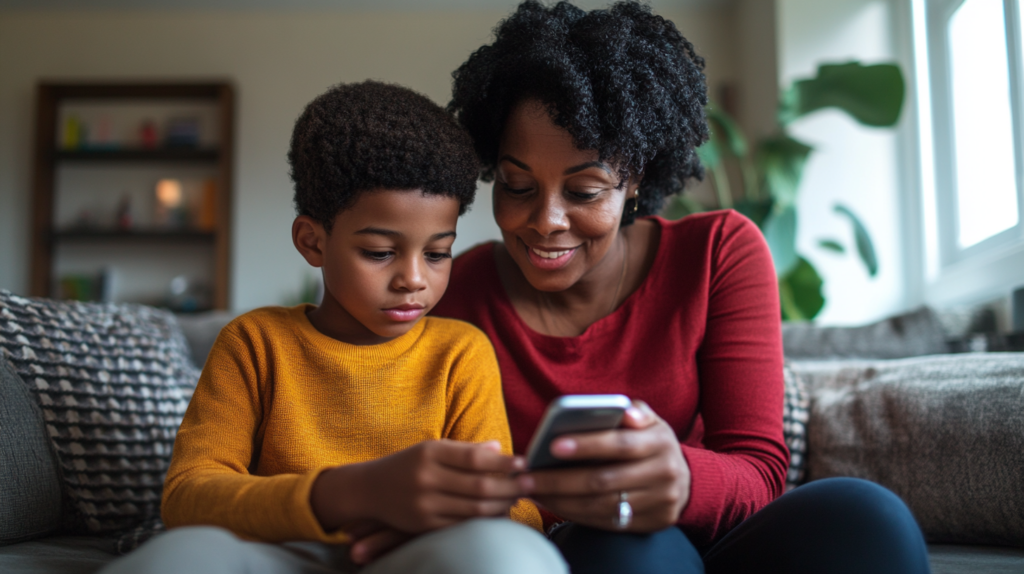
x=101 y=153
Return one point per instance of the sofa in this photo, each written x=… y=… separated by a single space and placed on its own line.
x=91 y=395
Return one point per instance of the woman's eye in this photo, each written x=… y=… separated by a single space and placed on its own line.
x=377 y=255
x=584 y=195
x=438 y=256
x=516 y=190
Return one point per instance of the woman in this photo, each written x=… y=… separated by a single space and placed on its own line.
x=586 y=121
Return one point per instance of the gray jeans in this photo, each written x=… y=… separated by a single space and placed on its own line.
x=481 y=546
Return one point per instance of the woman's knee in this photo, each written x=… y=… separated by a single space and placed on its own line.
x=855 y=501
x=593 y=551
x=855 y=517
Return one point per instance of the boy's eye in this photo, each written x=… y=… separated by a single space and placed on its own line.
x=438 y=256
x=377 y=255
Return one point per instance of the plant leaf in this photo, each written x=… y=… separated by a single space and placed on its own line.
x=831 y=245
x=780 y=233
x=865 y=247
x=710 y=153
x=735 y=142
x=680 y=206
x=782 y=159
x=872 y=95
x=757 y=210
x=800 y=292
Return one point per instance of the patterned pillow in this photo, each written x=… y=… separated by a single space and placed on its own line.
x=795 y=414
x=113 y=382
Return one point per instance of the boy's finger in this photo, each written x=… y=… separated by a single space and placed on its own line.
x=474 y=485
x=474 y=457
x=374 y=546
x=457 y=507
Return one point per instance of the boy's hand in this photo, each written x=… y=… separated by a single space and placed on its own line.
x=424 y=487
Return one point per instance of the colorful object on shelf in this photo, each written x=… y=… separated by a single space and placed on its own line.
x=170 y=210
x=182 y=132
x=102 y=138
x=205 y=215
x=185 y=295
x=88 y=287
x=147 y=135
x=74 y=133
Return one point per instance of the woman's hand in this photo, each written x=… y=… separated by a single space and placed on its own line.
x=424 y=487
x=645 y=462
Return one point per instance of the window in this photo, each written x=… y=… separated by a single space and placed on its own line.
x=969 y=77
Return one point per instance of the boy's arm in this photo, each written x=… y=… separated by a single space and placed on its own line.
x=476 y=409
x=209 y=481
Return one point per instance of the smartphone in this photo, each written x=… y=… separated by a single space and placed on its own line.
x=573 y=414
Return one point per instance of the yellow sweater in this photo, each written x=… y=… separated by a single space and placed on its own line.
x=278 y=402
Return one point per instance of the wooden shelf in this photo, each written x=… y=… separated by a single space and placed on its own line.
x=140 y=155
x=48 y=157
x=141 y=234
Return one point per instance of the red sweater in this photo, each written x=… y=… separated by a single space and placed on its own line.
x=699 y=341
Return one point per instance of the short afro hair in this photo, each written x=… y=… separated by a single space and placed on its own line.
x=360 y=137
x=621 y=81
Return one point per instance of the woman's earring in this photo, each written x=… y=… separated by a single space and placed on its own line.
x=636 y=200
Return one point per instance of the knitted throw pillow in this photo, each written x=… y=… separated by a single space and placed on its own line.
x=795 y=414
x=113 y=382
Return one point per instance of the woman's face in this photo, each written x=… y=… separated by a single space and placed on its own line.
x=558 y=207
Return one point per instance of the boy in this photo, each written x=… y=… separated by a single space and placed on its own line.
x=357 y=424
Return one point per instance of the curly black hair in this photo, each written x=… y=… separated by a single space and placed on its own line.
x=355 y=138
x=621 y=81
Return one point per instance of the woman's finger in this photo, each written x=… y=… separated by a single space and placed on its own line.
x=639 y=416
x=618 y=444
x=592 y=480
x=373 y=546
x=475 y=457
x=649 y=513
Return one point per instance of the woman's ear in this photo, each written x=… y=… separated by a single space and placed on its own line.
x=310 y=238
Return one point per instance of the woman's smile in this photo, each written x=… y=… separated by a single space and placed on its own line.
x=551 y=258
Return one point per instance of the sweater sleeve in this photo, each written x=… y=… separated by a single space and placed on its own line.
x=209 y=482
x=476 y=409
x=743 y=463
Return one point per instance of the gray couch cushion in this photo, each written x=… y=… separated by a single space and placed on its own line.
x=912 y=334
x=30 y=497
x=57 y=555
x=956 y=559
x=945 y=433
x=112 y=381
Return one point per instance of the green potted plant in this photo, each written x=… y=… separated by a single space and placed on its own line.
x=770 y=175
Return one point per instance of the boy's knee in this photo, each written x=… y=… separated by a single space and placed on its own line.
x=189 y=549
x=484 y=546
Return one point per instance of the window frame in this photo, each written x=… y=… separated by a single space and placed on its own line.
x=979 y=270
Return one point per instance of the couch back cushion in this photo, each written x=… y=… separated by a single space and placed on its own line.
x=945 y=433
x=30 y=497
x=912 y=334
x=112 y=382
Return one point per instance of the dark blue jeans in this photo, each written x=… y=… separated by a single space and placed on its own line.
x=834 y=526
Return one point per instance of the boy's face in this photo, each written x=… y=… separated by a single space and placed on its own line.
x=385 y=263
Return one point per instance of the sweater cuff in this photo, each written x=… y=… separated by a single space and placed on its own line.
x=304 y=521
x=706 y=488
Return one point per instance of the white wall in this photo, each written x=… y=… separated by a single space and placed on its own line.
x=852 y=164
x=278 y=61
